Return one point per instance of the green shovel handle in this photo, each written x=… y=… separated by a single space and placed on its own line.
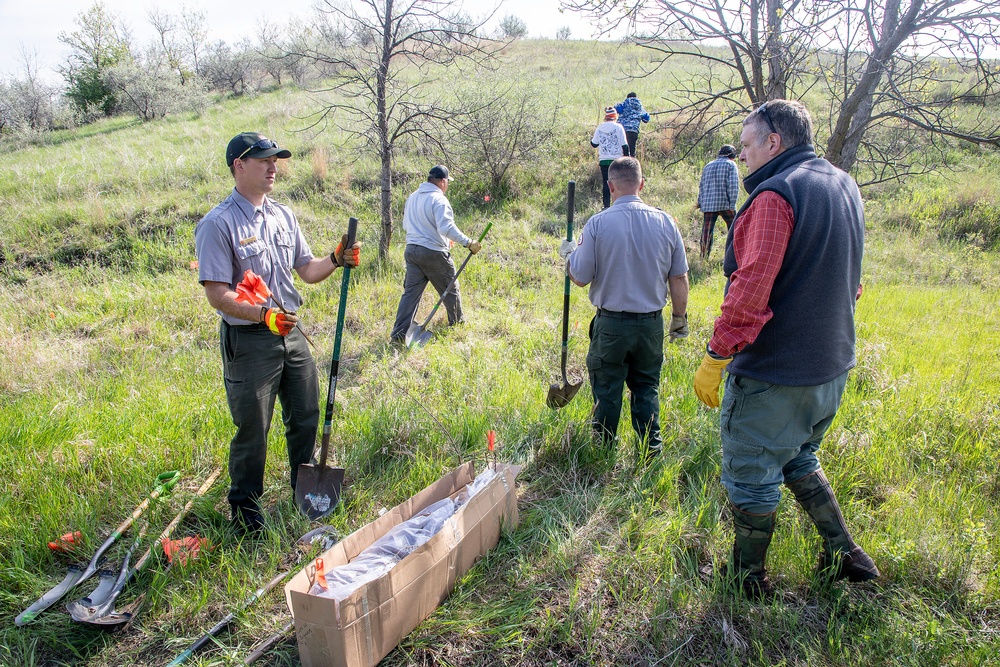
x=167 y=480
x=483 y=235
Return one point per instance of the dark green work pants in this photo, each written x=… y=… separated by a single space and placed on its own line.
x=260 y=366
x=626 y=349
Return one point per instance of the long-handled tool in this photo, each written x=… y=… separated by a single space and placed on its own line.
x=164 y=482
x=229 y=618
x=269 y=643
x=560 y=396
x=417 y=335
x=97 y=609
x=317 y=487
x=314 y=539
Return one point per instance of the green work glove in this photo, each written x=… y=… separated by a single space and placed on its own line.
x=678 y=327
x=278 y=322
x=707 y=379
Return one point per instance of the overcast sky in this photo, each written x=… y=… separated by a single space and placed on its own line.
x=35 y=24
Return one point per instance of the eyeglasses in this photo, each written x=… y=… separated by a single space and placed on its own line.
x=263 y=144
x=762 y=110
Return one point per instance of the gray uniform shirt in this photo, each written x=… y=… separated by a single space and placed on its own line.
x=627 y=253
x=235 y=236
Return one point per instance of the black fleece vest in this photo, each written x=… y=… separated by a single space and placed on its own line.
x=810 y=338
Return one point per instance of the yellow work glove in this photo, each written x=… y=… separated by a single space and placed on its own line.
x=707 y=379
x=278 y=322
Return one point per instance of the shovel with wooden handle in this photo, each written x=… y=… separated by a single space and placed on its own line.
x=164 y=482
x=317 y=486
x=98 y=608
x=560 y=396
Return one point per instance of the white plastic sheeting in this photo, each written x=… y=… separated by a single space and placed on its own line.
x=397 y=544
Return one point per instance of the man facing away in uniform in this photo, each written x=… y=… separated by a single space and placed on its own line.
x=632 y=256
x=786 y=337
x=429 y=224
x=717 y=192
x=264 y=354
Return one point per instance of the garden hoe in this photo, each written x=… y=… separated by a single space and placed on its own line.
x=164 y=482
x=317 y=487
x=560 y=396
x=98 y=608
x=417 y=335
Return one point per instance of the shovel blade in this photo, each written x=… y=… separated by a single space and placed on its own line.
x=86 y=610
x=416 y=336
x=560 y=395
x=72 y=578
x=105 y=586
x=317 y=489
x=106 y=618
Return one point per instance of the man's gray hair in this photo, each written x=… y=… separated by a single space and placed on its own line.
x=788 y=118
x=625 y=171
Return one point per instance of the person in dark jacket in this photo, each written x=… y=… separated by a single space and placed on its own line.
x=786 y=338
x=630 y=114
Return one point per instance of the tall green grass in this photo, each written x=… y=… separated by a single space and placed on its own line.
x=110 y=373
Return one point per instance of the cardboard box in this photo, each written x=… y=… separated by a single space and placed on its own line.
x=363 y=628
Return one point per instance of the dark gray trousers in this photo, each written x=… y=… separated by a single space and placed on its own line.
x=424 y=265
x=258 y=367
x=626 y=349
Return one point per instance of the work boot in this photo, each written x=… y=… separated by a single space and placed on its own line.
x=753 y=537
x=841 y=557
x=247 y=519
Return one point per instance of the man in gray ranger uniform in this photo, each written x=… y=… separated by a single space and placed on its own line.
x=264 y=355
x=631 y=255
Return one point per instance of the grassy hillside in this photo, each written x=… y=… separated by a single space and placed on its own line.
x=110 y=374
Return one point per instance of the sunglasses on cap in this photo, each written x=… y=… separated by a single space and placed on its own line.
x=762 y=110
x=263 y=144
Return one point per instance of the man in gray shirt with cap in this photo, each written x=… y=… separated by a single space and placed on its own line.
x=429 y=224
x=631 y=255
x=264 y=355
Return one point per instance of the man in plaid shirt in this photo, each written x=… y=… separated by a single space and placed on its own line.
x=717 y=191
x=786 y=337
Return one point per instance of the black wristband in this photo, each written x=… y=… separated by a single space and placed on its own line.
x=263 y=312
x=333 y=258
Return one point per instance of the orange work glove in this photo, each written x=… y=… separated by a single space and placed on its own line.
x=352 y=257
x=707 y=379
x=278 y=322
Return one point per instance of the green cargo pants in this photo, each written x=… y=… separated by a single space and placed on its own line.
x=626 y=349
x=258 y=367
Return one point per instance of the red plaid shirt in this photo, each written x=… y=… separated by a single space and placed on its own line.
x=759 y=241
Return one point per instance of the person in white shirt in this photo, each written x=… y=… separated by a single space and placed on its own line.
x=610 y=141
x=429 y=224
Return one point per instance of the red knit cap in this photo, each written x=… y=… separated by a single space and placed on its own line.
x=610 y=113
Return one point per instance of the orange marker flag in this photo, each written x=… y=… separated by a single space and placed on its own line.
x=252 y=289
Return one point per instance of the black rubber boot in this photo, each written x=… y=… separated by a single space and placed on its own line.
x=841 y=557
x=247 y=519
x=753 y=537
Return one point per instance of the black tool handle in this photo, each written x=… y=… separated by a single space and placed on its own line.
x=570 y=198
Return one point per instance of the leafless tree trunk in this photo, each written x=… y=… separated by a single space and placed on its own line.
x=371 y=41
x=901 y=74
